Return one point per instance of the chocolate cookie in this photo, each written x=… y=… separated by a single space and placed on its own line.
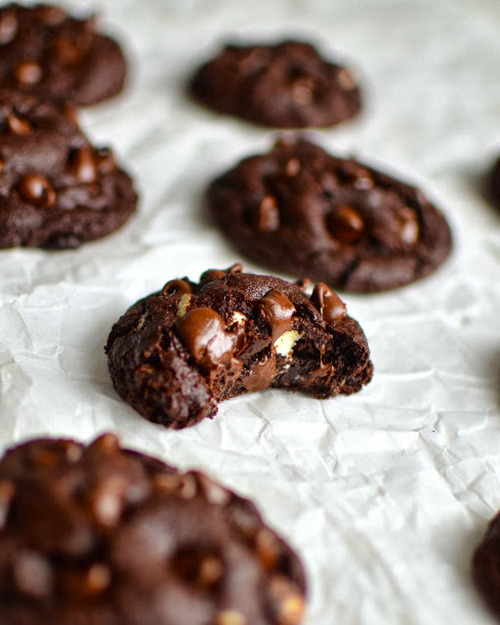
x=56 y=189
x=177 y=353
x=285 y=85
x=300 y=210
x=99 y=535
x=486 y=565
x=45 y=51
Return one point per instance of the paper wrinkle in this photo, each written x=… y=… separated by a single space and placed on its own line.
x=385 y=493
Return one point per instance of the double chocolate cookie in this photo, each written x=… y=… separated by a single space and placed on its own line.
x=56 y=189
x=486 y=565
x=286 y=85
x=302 y=211
x=177 y=353
x=45 y=51
x=99 y=535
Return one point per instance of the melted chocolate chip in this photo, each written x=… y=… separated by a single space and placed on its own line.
x=329 y=304
x=267 y=217
x=203 y=333
x=37 y=190
x=82 y=164
x=276 y=310
x=28 y=73
x=260 y=374
x=345 y=224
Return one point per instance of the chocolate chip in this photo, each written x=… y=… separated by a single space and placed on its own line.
x=28 y=73
x=214 y=493
x=17 y=126
x=303 y=283
x=345 y=224
x=198 y=567
x=303 y=91
x=106 y=501
x=37 y=190
x=276 y=310
x=8 y=27
x=176 y=287
x=107 y=443
x=267 y=548
x=267 y=218
x=286 y=602
x=82 y=164
x=203 y=333
x=50 y=15
x=346 y=80
x=329 y=304
x=292 y=167
x=66 y=51
x=215 y=274
x=409 y=227
x=84 y=584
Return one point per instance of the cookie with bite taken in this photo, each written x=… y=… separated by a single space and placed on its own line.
x=174 y=355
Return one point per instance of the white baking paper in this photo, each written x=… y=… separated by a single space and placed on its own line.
x=384 y=494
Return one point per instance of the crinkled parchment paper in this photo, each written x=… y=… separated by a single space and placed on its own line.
x=385 y=493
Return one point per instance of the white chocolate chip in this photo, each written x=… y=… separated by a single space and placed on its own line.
x=286 y=342
x=141 y=323
x=183 y=305
x=238 y=318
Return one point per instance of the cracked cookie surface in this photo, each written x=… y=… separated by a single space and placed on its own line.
x=100 y=535
x=45 y=51
x=287 y=85
x=56 y=189
x=305 y=212
x=174 y=355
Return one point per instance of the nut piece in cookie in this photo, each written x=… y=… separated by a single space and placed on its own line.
x=56 y=189
x=486 y=565
x=177 y=353
x=287 y=85
x=303 y=211
x=100 y=535
x=45 y=51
